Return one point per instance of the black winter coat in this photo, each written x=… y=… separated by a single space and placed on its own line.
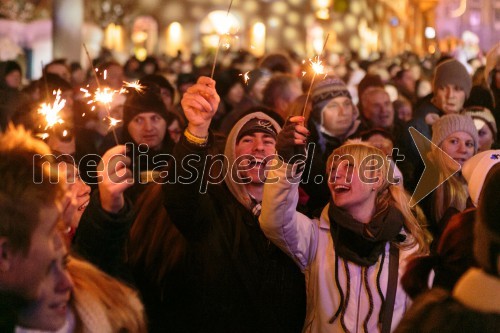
x=239 y=281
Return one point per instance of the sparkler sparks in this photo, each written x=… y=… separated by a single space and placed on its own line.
x=113 y=122
x=246 y=77
x=318 y=68
x=106 y=96
x=133 y=85
x=51 y=111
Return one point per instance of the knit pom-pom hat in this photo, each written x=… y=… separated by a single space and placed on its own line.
x=451 y=123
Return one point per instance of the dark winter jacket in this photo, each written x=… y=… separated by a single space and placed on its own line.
x=101 y=238
x=465 y=309
x=240 y=281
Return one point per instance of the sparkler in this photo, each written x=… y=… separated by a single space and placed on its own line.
x=113 y=122
x=104 y=96
x=51 y=111
x=220 y=42
x=317 y=68
x=134 y=85
x=246 y=77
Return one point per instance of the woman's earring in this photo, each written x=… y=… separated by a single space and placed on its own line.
x=373 y=189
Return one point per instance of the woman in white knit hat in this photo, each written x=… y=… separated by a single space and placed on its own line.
x=457 y=136
x=486 y=126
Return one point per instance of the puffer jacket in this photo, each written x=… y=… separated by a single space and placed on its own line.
x=309 y=243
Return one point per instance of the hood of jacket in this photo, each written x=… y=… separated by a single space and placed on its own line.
x=238 y=190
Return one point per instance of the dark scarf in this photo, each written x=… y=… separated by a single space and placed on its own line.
x=363 y=243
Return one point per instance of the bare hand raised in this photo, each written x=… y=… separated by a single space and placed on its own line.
x=114 y=178
x=200 y=103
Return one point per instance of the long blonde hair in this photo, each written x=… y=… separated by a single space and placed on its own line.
x=451 y=193
x=387 y=193
x=95 y=292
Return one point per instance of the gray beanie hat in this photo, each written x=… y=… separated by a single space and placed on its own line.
x=451 y=123
x=452 y=72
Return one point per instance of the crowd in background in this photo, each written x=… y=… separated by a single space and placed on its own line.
x=119 y=243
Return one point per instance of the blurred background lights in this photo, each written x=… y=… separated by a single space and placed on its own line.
x=430 y=33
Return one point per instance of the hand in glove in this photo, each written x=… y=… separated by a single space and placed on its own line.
x=292 y=140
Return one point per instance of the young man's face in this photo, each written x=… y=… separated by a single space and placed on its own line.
x=450 y=99
x=256 y=146
x=49 y=311
x=28 y=270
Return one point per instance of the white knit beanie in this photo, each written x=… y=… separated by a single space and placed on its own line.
x=475 y=170
x=483 y=114
x=451 y=123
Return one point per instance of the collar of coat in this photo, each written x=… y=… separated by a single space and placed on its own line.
x=479 y=291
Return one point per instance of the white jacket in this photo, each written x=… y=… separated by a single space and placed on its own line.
x=309 y=243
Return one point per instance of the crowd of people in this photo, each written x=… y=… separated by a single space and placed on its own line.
x=264 y=199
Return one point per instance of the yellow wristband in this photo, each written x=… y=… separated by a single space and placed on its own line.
x=195 y=139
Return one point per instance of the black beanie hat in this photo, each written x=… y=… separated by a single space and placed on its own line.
x=11 y=66
x=141 y=102
x=257 y=125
